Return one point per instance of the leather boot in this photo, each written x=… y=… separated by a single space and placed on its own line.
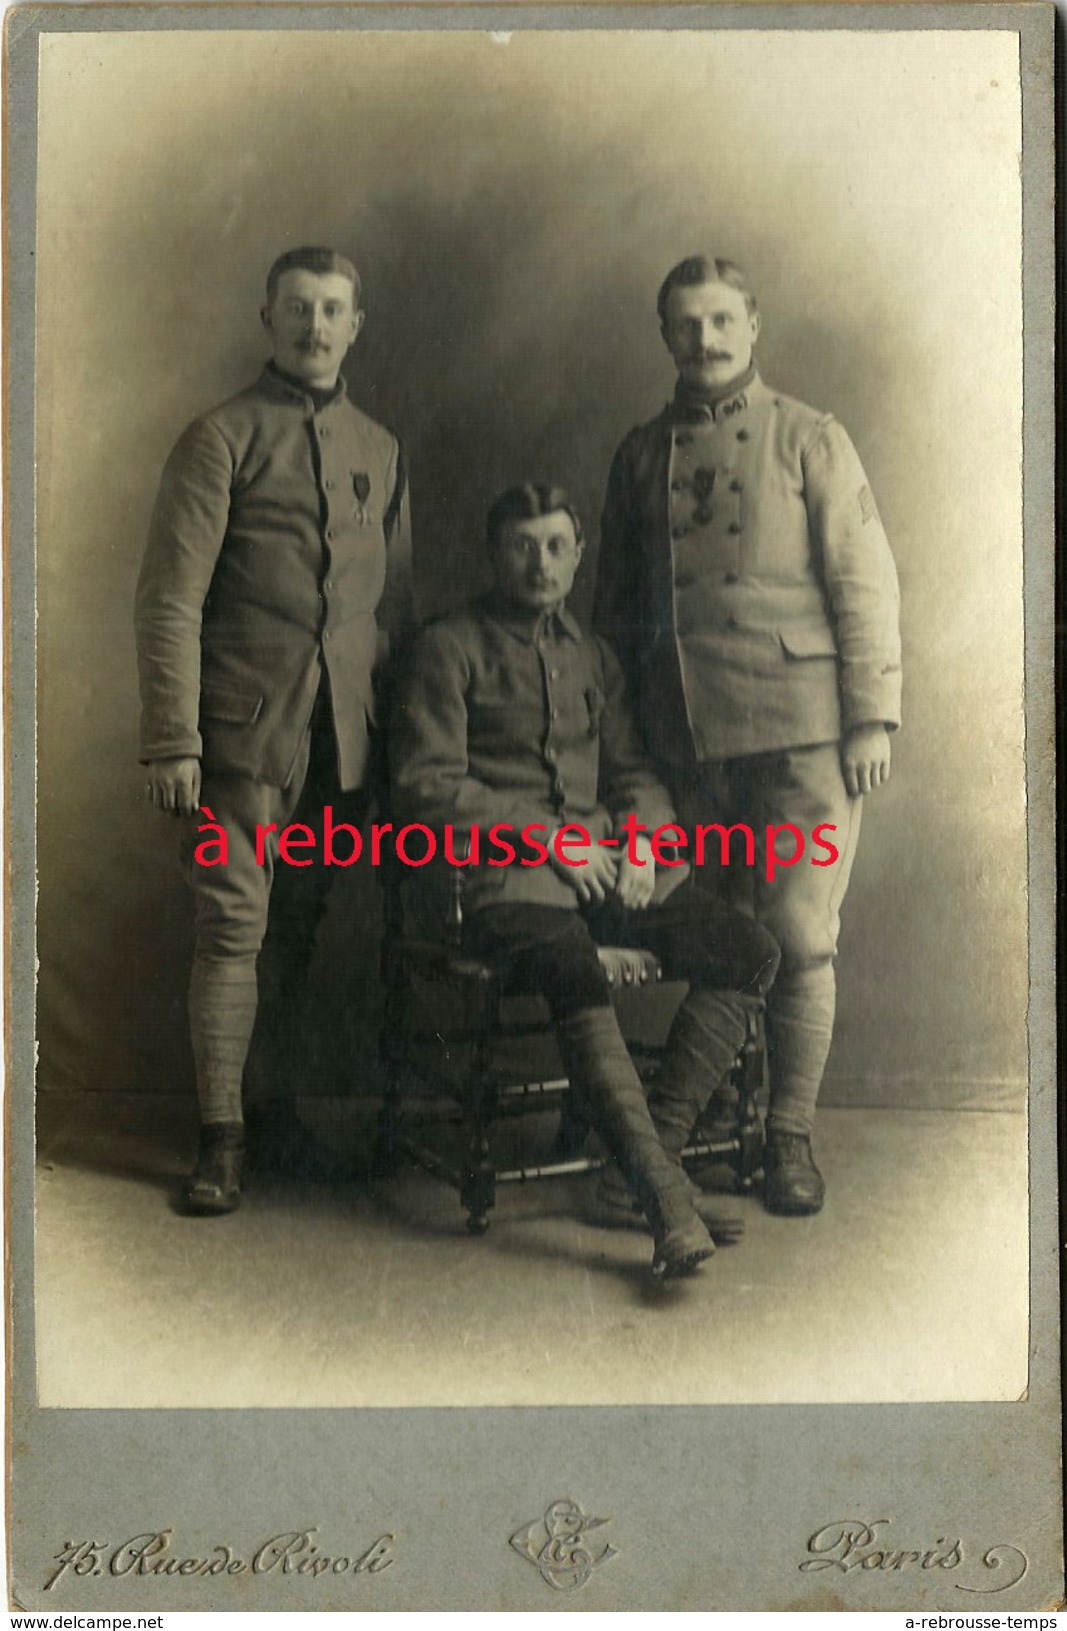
x=792 y=1183
x=610 y=1091
x=214 y=1186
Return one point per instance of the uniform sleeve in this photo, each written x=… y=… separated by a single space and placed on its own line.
x=429 y=768
x=860 y=577
x=618 y=582
x=185 y=537
x=628 y=783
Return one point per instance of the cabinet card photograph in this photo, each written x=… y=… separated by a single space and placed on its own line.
x=530 y=713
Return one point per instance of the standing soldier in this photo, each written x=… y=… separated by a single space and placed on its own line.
x=278 y=559
x=747 y=585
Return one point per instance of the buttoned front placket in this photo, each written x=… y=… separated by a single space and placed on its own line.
x=330 y=475
x=705 y=505
x=546 y=645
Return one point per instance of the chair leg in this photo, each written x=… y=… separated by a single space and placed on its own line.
x=478 y=1188
x=748 y=1077
x=478 y=1181
x=572 y=1132
x=386 y=1153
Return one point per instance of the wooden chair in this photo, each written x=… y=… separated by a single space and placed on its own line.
x=450 y=1021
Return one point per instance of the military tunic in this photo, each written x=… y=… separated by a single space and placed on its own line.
x=279 y=548
x=745 y=579
x=278 y=565
x=512 y=717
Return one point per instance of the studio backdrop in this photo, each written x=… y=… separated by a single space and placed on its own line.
x=513 y=202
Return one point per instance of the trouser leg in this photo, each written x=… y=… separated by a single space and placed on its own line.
x=222 y=1012
x=800 y=1028
x=232 y=904
x=702 y=1047
x=297 y=904
x=730 y=963
x=553 y=950
x=800 y=904
x=231 y=917
x=610 y=1091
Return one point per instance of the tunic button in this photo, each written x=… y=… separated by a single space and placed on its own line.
x=329 y=535
x=731 y=577
x=550 y=756
x=324 y=431
x=734 y=527
x=328 y=484
x=679 y=532
x=678 y=484
x=731 y=623
x=325 y=634
x=328 y=585
x=736 y=487
x=555 y=713
x=742 y=436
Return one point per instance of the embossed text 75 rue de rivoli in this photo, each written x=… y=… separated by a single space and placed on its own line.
x=152 y=1555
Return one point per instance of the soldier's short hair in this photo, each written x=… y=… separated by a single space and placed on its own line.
x=524 y=503
x=704 y=269
x=312 y=258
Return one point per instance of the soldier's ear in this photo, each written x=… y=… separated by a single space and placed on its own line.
x=754 y=324
x=358 y=319
x=264 y=317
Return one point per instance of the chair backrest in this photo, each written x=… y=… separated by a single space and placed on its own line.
x=426 y=901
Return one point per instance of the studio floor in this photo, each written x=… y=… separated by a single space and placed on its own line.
x=910 y=1285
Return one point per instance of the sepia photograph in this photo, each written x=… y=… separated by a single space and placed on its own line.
x=531 y=606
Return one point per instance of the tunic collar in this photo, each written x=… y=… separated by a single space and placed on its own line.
x=281 y=387
x=528 y=626
x=692 y=405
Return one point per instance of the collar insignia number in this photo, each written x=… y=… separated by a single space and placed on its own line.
x=558 y=1546
x=734 y=405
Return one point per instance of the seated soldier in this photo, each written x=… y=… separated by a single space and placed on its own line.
x=509 y=714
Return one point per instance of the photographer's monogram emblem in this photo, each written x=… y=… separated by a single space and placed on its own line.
x=559 y=1547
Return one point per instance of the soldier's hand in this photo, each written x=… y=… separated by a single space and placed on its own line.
x=635 y=883
x=593 y=882
x=865 y=759
x=173 y=785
